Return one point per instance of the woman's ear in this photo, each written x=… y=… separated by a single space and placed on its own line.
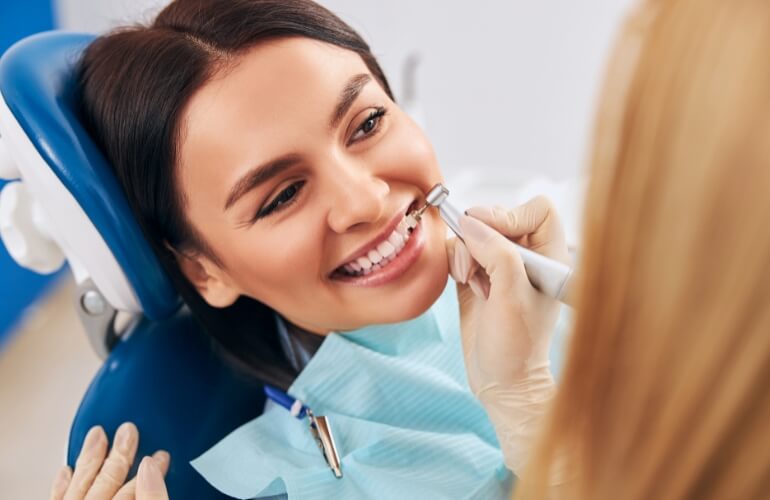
x=211 y=281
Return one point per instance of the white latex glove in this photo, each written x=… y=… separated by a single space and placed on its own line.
x=101 y=476
x=507 y=324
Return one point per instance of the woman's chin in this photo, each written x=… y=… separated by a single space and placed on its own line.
x=412 y=290
x=427 y=300
x=412 y=300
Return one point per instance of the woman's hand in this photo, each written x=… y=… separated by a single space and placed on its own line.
x=101 y=476
x=506 y=323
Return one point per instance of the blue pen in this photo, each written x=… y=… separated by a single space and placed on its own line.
x=319 y=426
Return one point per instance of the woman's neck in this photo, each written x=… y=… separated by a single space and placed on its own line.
x=300 y=344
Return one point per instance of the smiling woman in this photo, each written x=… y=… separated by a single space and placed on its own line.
x=260 y=147
x=337 y=167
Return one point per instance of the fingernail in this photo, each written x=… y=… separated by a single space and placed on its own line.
x=62 y=479
x=93 y=438
x=486 y=286
x=478 y=290
x=480 y=285
x=483 y=213
x=149 y=477
x=162 y=459
x=474 y=229
x=461 y=261
x=125 y=437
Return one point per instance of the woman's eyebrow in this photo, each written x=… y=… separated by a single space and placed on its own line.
x=259 y=175
x=348 y=97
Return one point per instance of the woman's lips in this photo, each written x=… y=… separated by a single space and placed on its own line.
x=383 y=236
x=395 y=268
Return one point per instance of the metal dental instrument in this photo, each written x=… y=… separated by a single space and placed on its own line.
x=547 y=275
x=322 y=432
x=319 y=426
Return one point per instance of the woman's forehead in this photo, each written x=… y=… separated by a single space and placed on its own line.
x=276 y=97
x=274 y=79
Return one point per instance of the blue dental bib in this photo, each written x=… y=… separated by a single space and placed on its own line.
x=404 y=419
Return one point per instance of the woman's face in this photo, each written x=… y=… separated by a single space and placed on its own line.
x=297 y=170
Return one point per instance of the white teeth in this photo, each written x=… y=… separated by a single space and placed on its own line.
x=374 y=256
x=385 y=249
x=396 y=240
x=385 y=252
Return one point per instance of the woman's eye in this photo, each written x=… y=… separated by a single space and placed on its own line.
x=369 y=126
x=283 y=200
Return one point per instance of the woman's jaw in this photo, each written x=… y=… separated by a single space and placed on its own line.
x=399 y=291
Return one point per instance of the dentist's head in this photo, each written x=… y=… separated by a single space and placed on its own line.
x=666 y=390
x=260 y=147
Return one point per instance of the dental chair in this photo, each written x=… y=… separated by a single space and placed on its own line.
x=63 y=204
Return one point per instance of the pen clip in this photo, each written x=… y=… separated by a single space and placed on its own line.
x=322 y=432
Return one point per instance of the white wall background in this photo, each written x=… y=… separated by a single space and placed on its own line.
x=502 y=84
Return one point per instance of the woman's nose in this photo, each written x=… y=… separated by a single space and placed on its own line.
x=358 y=197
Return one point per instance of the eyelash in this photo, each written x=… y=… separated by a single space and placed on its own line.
x=376 y=116
x=280 y=203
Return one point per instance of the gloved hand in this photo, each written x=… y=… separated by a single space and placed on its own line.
x=99 y=476
x=507 y=324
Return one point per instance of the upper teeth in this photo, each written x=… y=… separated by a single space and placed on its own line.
x=378 y=257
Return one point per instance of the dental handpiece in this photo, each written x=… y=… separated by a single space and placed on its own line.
x=547 y=275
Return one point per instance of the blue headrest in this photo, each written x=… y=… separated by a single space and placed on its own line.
x=38 y=84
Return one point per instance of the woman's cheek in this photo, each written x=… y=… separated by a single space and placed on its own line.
x=264 y=263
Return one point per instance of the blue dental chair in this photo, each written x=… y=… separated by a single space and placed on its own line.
x=63 y=204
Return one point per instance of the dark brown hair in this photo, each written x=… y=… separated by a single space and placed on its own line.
x=135 y=83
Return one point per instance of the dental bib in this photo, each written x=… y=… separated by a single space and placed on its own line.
x=405 y=422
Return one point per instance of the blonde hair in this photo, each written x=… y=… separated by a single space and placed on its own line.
x=666 y=390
